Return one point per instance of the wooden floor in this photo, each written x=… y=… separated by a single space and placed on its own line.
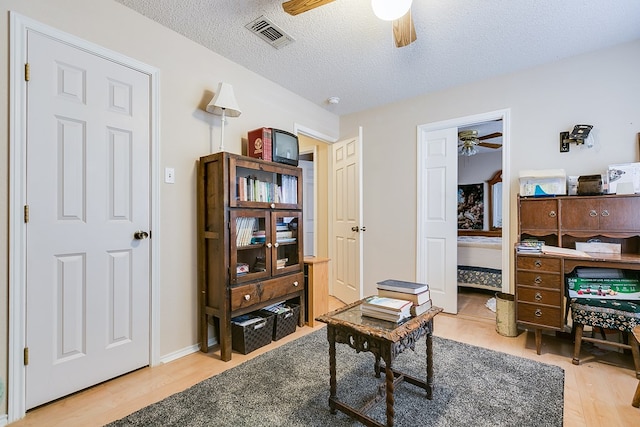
x=597 y=393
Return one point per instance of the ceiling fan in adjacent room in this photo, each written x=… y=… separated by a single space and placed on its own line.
x=469 y=141
x=398 y=11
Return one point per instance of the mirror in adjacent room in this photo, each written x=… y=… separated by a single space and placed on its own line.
x=495 y=201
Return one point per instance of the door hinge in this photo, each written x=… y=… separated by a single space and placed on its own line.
x=26 y=356
x=27 y=72
x=26 y=213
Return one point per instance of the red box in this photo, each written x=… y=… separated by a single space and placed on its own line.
x=259 y=144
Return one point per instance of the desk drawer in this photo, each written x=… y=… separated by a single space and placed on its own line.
x=254 y=293
x=542 y=280
x=539 y=296
x=537 y=263
x=540 y=315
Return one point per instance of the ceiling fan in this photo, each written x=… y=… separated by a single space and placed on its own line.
x=404 y=32
x=469 y=139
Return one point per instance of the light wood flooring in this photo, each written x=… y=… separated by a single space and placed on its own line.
x=597 y=393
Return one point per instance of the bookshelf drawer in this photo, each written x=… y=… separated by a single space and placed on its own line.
x=539 y=296
x=541 y=280
x=255 y=293
x=538 y=263
x=540 y=315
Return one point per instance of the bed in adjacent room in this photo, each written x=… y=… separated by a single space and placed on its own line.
x=480 y=262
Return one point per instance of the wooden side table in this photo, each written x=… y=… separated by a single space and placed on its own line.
x=385 y=340
x=317 y=269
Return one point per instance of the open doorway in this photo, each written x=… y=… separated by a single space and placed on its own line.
x=479 y=269
x=436 y=255
x=308 y=165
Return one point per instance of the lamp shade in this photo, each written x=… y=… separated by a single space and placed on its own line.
x=389 y=10
x=224 y=100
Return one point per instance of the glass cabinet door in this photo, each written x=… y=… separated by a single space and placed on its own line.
x=286 y=255
x=250 y=245
x=259 y=185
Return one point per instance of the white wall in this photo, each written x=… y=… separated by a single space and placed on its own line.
x=189 y=74
x=543 y=103
x=478 y=168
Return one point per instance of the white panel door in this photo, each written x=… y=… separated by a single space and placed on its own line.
x=438 y=161
x=88 y=192
x=347 y=219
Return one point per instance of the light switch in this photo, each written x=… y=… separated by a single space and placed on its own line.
x=169 y=175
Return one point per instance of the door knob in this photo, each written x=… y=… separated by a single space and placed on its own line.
x=356 y=228
x=140 y=235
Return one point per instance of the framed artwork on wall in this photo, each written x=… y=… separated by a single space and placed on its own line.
x=471 y=206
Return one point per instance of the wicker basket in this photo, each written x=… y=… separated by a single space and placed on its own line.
x=245 y=339
x=285 y=323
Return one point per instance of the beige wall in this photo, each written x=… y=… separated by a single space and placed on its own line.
x=599 y=88
x=187 y=73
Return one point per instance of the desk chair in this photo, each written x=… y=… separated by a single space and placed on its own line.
x=620 y=315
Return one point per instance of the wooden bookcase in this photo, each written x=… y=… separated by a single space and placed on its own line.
x=249 y=240
x=562 y=221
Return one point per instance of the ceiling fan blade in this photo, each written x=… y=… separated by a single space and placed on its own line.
x=489 y=145
x=489 y=136
x=404 y=32
x=295 y=7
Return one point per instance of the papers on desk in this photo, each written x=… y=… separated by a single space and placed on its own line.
x=555 y=250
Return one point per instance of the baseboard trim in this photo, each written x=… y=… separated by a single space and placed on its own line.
x=183 y=352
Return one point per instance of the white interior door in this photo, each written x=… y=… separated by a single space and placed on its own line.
x=347 y=224
x=88 y=192
x=437 y=227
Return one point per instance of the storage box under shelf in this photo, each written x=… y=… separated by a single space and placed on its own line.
x=246 y=338
x=285 y=322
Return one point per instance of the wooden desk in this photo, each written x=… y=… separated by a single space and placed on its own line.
x=317 y=272
x=385 y=340
x=563 y=221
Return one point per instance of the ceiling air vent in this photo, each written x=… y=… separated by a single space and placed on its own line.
x=269 y=32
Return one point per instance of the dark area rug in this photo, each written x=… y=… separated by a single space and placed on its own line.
x=289 y=386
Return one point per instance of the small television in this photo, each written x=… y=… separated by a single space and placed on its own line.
x=284 y=147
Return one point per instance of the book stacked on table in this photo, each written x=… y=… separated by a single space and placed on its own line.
x=390 y=309
x=417 y=293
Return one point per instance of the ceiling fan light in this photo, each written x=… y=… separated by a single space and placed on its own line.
x=390 y=10
x=468 y=150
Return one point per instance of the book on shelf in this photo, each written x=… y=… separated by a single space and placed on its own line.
x=417 y=310
x=402 y=286
x=244 y=230
x=417 y=299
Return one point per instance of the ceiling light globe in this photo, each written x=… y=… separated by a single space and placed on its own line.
x=389 y=10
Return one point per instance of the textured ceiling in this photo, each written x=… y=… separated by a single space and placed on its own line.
x=341 y=49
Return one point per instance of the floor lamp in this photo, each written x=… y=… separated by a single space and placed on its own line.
x=223 y=104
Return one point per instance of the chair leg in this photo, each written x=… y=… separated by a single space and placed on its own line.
x=636 y=397
x=578 y=340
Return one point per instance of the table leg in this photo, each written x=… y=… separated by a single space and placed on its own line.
x=376 y=366
x=331 y=336
x=429 y=339
x=538 y=340
x=390 y=389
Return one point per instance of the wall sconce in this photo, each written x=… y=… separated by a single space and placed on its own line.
x=224 y=104
x=579 y=135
